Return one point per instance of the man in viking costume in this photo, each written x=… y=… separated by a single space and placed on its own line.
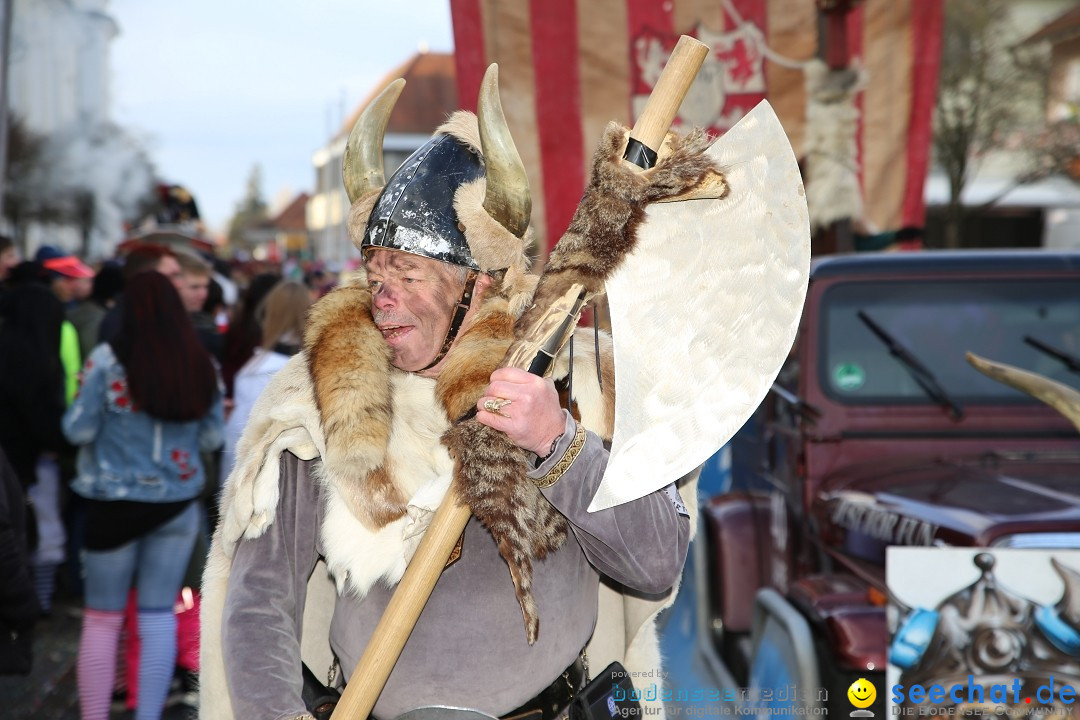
x=399 y=394
x=389 y=362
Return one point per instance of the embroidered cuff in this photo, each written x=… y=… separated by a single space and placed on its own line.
x=559 y=468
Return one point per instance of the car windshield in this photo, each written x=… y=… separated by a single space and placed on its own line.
x=1032 y=324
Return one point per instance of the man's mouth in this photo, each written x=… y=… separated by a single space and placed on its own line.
x=393 y=332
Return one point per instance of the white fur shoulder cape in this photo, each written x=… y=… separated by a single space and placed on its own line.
x=286 y=419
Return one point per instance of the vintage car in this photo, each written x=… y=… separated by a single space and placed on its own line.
x=879 y=433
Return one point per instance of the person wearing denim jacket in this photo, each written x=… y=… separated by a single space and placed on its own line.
x=103 y=421
x=150 y=401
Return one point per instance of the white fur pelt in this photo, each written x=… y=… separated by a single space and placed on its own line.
x=285 y=418
x=831 y=166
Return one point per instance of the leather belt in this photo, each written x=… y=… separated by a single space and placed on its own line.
x=550 y=702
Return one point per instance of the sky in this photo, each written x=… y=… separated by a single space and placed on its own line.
x=213 y=88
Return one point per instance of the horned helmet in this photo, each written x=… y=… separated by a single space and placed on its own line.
x=462 y=198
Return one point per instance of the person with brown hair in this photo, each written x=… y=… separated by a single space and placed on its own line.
x=195 y=278
x=149 y=403
x=282 y=316
x=244 y=333
x=140 y=259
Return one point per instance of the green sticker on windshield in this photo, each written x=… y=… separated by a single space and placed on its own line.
x=848 y=377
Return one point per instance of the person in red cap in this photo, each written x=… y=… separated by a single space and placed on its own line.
x=69 y=276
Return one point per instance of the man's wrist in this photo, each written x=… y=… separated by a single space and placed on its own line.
x=569 y=454
x=551 y=450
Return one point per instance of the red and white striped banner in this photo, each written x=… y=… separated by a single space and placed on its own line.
x=567 y=67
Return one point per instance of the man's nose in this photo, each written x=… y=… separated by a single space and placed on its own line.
x=385 y=297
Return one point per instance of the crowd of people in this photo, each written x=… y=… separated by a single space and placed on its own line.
x=342 y=452
x=123 y=391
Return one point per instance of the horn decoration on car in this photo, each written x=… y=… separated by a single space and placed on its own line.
x=1061 y=397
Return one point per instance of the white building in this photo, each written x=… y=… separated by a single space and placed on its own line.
x=59 y=86
x=59 y=72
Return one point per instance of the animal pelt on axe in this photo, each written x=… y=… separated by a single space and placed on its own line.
x=490 y=470
x=604 y=228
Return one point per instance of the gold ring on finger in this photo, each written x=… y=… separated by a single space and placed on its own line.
x=495 y=405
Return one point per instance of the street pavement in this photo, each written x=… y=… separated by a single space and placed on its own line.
x=49 y=692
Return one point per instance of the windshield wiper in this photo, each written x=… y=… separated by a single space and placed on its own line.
x=919 y=372
x=1069 y=361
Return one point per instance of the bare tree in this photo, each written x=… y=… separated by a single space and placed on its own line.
x=990 y=87
x=249 y=211
x=28 y=194
x=93 y=179
x=1054 y=150
x=103 y=174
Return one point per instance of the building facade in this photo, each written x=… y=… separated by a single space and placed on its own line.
x=59 y=88
x=430 y=96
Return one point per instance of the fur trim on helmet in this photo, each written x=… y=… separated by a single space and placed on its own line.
x=359 y=214
x=492 y=246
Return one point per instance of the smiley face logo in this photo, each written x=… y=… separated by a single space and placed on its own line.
x=862 y=693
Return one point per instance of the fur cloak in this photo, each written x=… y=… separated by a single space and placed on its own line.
x=371 y=426
x=368 y=424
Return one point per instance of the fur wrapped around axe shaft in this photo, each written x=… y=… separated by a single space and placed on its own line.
x=490 y=471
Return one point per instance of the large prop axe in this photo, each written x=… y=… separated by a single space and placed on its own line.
x=540 y=343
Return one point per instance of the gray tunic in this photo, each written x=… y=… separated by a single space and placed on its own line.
x=468 y=648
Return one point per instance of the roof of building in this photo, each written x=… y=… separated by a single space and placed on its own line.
x=430 y=95
x=293 y=216
x=1063 y=27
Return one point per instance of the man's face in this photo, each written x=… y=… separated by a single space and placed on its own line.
x=193 y=291
x=170 y=268
x=81 y=288
x=64 y=288
x=413 y=300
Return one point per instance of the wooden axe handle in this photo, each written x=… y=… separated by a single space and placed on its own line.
x=403 y=610
x=411 y=594
x=668 y=93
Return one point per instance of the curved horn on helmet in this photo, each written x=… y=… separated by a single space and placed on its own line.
x=507 y=199
x=1061 y=397
x=362 y=165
